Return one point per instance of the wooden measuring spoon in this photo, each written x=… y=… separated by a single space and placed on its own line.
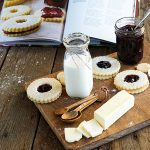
x=76 y=113
x=61 y=111
x=102 y=96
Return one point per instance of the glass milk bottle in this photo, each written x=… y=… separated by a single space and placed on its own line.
x=77 y=66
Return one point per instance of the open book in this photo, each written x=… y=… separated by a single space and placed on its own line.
x=95 y=18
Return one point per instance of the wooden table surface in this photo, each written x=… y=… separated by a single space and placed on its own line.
x=21 y=125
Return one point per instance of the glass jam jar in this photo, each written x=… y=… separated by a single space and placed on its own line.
x=129 y=41
x=77 y=66
x=56 y=3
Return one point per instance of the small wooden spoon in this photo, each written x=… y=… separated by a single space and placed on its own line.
x=76 y=113
x=102 y=96
x=61 y=111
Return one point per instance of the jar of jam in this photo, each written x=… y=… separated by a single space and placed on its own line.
x=56 y=3
x=129 y=41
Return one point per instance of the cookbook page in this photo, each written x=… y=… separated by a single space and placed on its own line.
x=47 y=31
x=96 y=18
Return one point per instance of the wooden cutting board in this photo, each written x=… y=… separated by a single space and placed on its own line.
x=138 y=117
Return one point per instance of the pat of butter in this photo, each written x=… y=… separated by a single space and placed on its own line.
x=114 y=108
x=82 y=130
x=92 y=127
x=72 y=135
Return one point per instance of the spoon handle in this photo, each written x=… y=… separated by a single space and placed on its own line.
x=145 y=16
x=80 y=102
x=86 y=104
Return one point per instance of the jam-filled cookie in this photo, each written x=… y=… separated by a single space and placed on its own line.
x=133 y=81
x=144 y=67
x=21 y=25
x=44 y=90
x=105 y=67
x=14 y=11
x=51 y=14
x=60 y=77
x=8 y=3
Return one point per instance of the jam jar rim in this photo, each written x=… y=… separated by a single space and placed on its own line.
x=76 y=35
x=129 y=32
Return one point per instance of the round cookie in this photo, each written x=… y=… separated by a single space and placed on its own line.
x=149 y=72
x=105 y=67
x=104 y=77
x=144 y=67
x=14 y=11
x=44 y=90
x=133 y=81
x=21 y=25
x=60 y=77
x=8 y=3
x=51 y=14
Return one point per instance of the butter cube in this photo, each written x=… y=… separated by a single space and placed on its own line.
x=114 y=108
x=81 y=129
x=72 y=135
x=92 y=128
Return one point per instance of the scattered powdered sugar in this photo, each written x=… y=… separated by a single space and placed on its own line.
x=130 y=123
x=9 y=80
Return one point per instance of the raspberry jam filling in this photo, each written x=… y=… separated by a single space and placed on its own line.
x=104 y=64
x=48 y=12
x=131 y=78
x=44 y=88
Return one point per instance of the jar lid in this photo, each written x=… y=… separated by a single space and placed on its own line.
x=76 y=39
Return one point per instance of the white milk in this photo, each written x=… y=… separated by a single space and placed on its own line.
x=78 y=76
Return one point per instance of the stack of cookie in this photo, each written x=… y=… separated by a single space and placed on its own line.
x=18 y=22
x=133 y=81
x=8 y=3
x=105 y=67
x=44 y=90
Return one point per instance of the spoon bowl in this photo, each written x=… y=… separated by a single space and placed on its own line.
x=72 y=120
x=70 y=115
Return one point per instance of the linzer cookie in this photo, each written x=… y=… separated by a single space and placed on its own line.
x=144 y=67
x=60 y=77
x=44 y=90
x=21 y=25
x=51 y=14
x=133 y=81
x=8 y=3
x=105 y=67
x=15 y=11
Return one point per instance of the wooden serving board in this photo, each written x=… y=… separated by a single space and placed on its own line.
x=136 y=118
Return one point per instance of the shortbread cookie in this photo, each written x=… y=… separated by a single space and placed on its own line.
x=21 y=25
x=149 y=72
x=105 y=67
x=8 y=3
x=133 y=81
x=104 y=77
x=51 y=14
x=144 y=67
x=44 y=90
x=14 y=11
x=60 y=77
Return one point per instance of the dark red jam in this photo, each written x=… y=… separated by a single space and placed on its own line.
x=131 y=78
x=56 y=3
x=130 y=44
x=104 y=64
x=44 y=88
x=54 y=12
